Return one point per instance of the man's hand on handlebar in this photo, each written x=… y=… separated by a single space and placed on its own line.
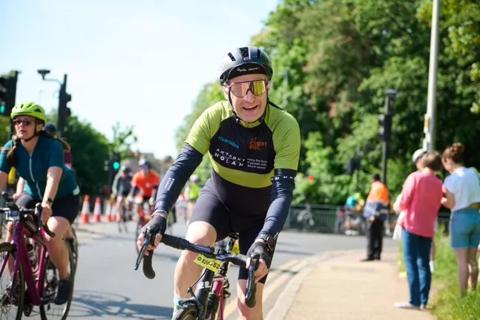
x=261 y=250
x=156 y=226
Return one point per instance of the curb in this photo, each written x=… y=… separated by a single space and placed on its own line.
x=287 y=297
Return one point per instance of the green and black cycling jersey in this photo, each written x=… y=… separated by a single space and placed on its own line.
x=253 y=156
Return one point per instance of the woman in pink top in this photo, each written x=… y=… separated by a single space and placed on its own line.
x=421 y=200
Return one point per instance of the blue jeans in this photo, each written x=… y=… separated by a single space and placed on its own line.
x=416 y=251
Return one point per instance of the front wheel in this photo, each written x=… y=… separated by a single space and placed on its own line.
x=12 y=286
x=48 y=309
x=188 y=312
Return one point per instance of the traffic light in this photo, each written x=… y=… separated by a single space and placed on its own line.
x=116 y=162
x=63 y=110
x=8 y=89
x=385 y=126
x=353 y=164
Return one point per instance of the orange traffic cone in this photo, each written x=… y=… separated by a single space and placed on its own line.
x=85 y=215
x=108 y=211
x=97 y=210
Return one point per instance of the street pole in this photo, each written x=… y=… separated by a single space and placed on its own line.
x=62 y=106
x=389 y=102
x=429 y=126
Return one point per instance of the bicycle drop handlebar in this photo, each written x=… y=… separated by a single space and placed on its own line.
x=209 y=252
x=21 y=214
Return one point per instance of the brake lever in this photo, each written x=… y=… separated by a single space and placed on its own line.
x=141 y=253
x=41 y=226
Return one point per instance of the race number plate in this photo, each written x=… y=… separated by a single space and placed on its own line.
x=210 y=264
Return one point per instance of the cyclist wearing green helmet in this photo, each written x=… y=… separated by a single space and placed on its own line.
x=38 y=159
x=254 y=149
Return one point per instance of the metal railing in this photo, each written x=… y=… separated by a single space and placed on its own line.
x=323 y=218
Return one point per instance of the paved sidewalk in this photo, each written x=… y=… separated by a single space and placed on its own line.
x=339 y=286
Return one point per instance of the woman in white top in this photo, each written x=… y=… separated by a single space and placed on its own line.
x=462 y=196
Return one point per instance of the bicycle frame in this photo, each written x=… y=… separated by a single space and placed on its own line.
x=207 y=286
x=34 y=295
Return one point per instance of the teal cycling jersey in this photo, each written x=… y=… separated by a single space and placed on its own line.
x=246 y=154
x=33 y=168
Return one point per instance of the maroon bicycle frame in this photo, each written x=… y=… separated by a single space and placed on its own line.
x=34 y=288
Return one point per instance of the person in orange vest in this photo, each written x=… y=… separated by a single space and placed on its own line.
x=375 y=212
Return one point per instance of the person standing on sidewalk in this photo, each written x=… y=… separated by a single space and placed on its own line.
x=462 y=196
x=420 y=200
x=375 y=211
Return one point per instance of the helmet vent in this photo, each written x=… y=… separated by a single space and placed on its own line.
x=230 y=55
x=245 y=53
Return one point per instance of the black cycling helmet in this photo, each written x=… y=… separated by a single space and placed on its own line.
x=245 y=60
x=50 y=129
x=145 y=164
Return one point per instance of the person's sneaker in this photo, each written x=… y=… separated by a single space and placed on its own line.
x=63 y=292
x=367 y=259
x=423 y=307
x=405 y=305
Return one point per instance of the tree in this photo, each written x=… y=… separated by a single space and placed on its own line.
x=90 y=150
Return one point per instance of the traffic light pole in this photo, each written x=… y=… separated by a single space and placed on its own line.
x=62 y=106
x=63 y=99
x=387 y=130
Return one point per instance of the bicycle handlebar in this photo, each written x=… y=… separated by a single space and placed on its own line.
x=36 y=213
x=210 y=252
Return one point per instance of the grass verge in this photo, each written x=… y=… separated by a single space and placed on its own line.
x=447 y=303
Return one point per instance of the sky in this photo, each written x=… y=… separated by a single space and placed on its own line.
x=140 y=63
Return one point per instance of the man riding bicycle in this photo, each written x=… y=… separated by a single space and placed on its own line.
x=121 y=187
x=254 y=150
x=38 y=158
x=145 y=183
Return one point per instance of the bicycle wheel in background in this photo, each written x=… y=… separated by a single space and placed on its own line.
x=73 y=246
x=12 y=288
x=49 y=310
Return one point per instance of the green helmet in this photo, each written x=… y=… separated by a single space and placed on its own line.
x=29 y=109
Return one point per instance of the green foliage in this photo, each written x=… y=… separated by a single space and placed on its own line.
x=4 y=130
x=123 y=140
x=333 y=62
x=90 y=149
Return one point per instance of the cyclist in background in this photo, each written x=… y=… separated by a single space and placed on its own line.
x=254 y=148
x=121 y=187
x=67 y=152
x=145 y=183
x=192 y=193
x=38 y=158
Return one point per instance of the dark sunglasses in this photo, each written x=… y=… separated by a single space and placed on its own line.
x=25 y=122
x=256 y=87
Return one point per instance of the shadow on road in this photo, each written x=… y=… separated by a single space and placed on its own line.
x=95 y=304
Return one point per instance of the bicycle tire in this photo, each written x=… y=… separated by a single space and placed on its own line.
x=188 y=312
x=73 y=246
x=8 y=297
x=48 y=309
